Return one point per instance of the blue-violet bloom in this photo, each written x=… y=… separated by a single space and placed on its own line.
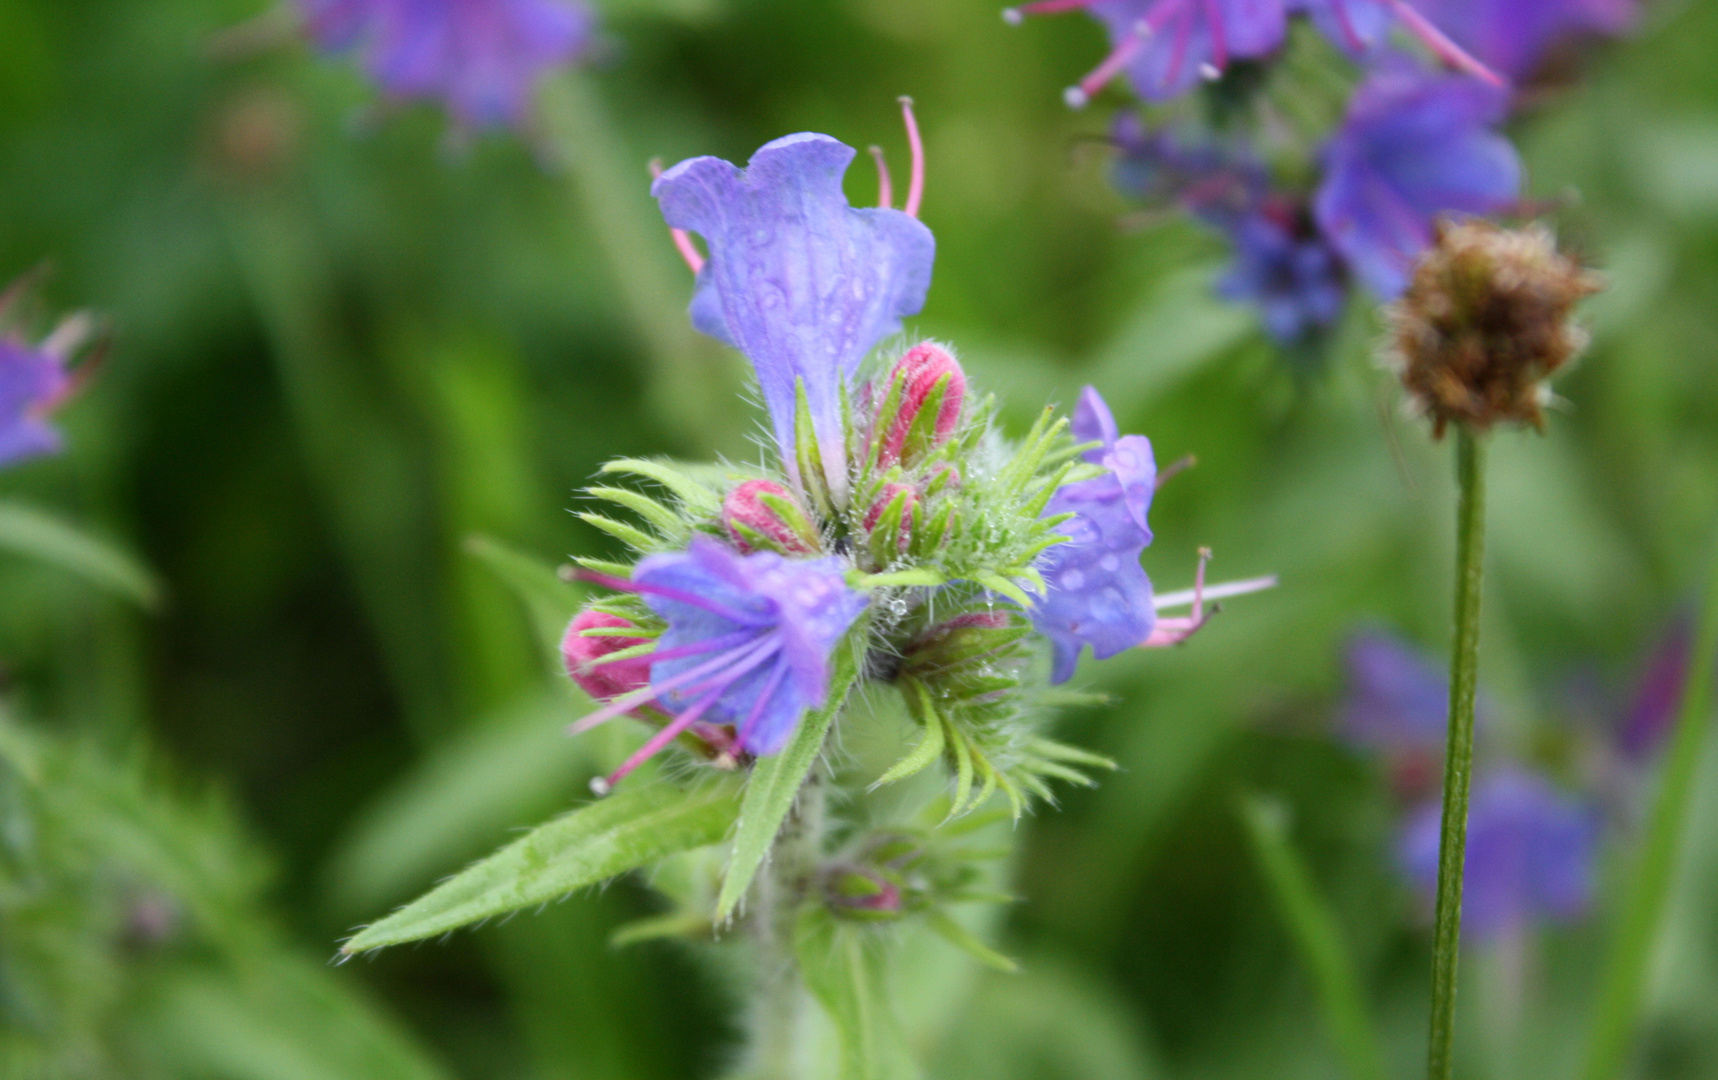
x=1397 y=700
x=32 y=381
x=748 y=643
x=1531 y=853
x=801 y=282
x=1414 y=146
x=1513 y=36
x=481 y=58
x=1096 y=592
x=1286 y=269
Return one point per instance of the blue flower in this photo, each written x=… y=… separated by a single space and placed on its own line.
x=1397 y=700
x=1413 y=146
x=1290 y=273
x=1515 y=35
x=797 y=279
x=748 y=642
x=481 y=58
x=1531 y=853
x=31 y=381
x=1096 y=592
x=1166 y=46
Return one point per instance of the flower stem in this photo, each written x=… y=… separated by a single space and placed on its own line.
x=1458 y=760
x=1637 y=925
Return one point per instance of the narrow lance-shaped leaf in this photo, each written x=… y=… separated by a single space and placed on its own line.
x=551 y=601
x=28 y=531
x=776 y=780
x=627 y=830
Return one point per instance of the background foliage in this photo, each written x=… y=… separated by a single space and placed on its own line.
x=345 y=347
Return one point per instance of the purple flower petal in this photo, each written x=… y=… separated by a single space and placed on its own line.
x=1096 y=592
x=1413 y=146
x=797 y=279
x=1513 y=36
x=1531 y=853
x=30 y=381
x=1397 y=700
x=1188 y=37
x=1295 y=279
x=793 y=610
x=1354 y=25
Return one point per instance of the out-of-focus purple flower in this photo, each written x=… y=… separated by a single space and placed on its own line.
x=1397 y=700
x=481 y=58
x=1413 y=146
x=32 y=380
x=748 y=642
x=1215 y=183
x=1096 y=592
x=1652 y=711
x=1531 y=851
x=1354 y=25
x=1288 y=272
x=1513 y=36
x=797 y=279
x=1166 y=46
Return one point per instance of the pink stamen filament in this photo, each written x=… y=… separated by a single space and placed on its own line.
x=1174 y=631
x=1222 y=591
x=916 y=180
x=1447 y=51
x=1051 y=7
x=1120 y=56
x=744 y=731
x=657 y=741
x=885 y=189
x=1219 y=40
x=697 y=648
x=748 y=656
x=1185 y=461
x=682 y=239
x=1347 y=25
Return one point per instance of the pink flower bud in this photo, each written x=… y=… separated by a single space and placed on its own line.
x=903 y=530
x=763 y=514
x=915 y=380
x=603 y=682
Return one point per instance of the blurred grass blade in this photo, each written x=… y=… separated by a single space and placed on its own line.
x=282 y=1019
x=627 y=830
x=775 y=781
x=1316 y=933
x=28 y=531
x=955 y=933
x=506 y=771
x=551 y=602
x=1623 y=985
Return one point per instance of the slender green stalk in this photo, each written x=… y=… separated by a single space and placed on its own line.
x=688 y=382
x=777 y=1022
x=1317 y=935
x=1458 y=757
x=1637 y=926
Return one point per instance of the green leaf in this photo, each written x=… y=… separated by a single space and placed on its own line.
x=846 y=980
x=28 y=531
x=953 y=932
x=997 y=583
x=930 y=747
x=630 y=535
x=627 y=830
x=920 y=576
x=675 y=478
x=1318 y=935
x=775 y=781
x=666 y=521
x=551 y=602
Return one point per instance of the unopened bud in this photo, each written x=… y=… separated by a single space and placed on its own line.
x=922 y=406
x=890 y=521
x=1485 y=321
x=861 y=893
x=582 y=654
x=764 y=515
x=966 y=637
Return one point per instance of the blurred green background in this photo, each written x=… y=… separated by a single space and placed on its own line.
x=343 y=347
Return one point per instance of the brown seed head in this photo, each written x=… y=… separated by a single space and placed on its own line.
x=1485 y=321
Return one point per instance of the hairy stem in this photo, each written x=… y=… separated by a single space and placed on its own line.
x=1637 y=926
x=1458 y=759
x=776 y=1012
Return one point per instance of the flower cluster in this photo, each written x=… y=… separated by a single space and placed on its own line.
x=892 y=536
x=1355 y=202
x=480 y=58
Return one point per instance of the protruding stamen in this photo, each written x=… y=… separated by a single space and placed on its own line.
x=916 y=181
x=737 y=661
x=1219 y=42
x=657 y=741
x=682 y=240
x=885 y=189
x=1126 y=49
x=1174 y=631
x=1346 y=25
x=1447 y=51
x=1015 y=15
x=1180 y=464
x=1222 y=591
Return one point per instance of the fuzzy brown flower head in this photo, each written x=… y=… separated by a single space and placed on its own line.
x=1485 y=321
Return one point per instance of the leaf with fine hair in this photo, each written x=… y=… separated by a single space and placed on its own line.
x=847 y=981
x=28 y=531
x=627 y=830
x=776 y=780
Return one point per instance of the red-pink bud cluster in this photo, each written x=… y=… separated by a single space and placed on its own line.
x=903 y=528
x=603 y=682
x=762 y=514
x=928 y=376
